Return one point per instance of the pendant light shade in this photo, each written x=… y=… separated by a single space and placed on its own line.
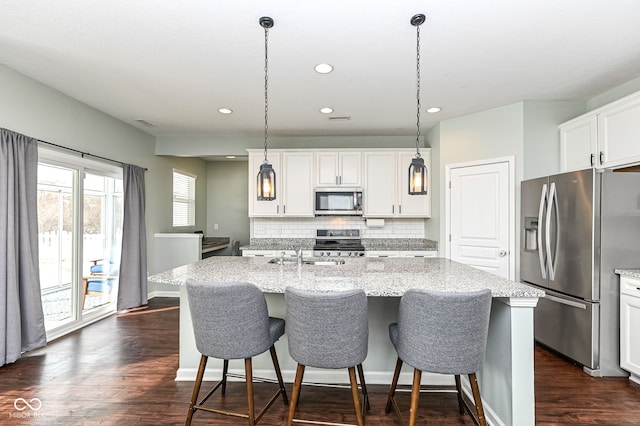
x=417 y=177
x=417 y=170
x=266 y=184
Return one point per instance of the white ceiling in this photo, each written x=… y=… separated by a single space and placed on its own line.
x=175 y=63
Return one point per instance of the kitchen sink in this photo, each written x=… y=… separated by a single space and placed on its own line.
x=324 y=262
x=283 y=261
x=293 y=261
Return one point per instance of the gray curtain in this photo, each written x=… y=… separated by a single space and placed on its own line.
x=21 y=315
x=132 y=291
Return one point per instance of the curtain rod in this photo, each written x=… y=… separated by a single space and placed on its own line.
x=83 y=154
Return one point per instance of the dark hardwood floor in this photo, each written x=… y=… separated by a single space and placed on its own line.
x=121 y=371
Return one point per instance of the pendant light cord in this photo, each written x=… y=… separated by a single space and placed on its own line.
x=266 y=86
x=418 y=90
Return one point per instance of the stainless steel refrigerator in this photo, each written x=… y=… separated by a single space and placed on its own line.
x=577 y=228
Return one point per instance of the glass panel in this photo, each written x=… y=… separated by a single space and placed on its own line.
x=102 y=231
x=55 y=223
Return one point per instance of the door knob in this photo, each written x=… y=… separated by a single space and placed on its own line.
x=502 y=253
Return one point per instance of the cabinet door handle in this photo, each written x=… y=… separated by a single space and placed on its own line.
x=336 y=180
x=284 y=209
x=400 y=209
x=593 y=159
x=393 y=208
x=601 y=158
x=277 y=209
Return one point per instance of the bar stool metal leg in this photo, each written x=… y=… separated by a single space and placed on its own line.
x=276 y=366
x=365 y=394
x=460 y=398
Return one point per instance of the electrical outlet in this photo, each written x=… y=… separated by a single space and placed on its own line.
x=215 y=226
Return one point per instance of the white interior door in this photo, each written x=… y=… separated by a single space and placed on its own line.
x=480 y=217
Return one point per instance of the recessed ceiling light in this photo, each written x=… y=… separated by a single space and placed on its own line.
x=323 y=68
x=225 y=111
x=326 y=110
x=433 y=110
x=231 y=157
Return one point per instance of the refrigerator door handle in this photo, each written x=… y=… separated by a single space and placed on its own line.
x=543 y=201
x=553 y=204
x=565 y=301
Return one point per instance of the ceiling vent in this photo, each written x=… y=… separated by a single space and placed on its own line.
x=345 y=118
x=144 y=122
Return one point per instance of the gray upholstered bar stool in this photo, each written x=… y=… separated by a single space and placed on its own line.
x=441 y=333
x=328 y=330
x=231 y=321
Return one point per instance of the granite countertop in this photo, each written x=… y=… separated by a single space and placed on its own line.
x=396 y=244
x=633 y=273
x=385 y=277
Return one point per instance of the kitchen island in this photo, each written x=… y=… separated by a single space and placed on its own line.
x=506 y=378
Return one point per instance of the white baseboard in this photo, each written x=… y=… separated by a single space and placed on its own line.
x=312 y=375
x=164 y=293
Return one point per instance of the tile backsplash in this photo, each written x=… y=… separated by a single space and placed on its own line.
x=306 y=227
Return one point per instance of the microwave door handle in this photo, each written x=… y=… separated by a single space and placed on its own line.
x=543 y=200
x=553 y=203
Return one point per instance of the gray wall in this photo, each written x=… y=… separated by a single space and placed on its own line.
x=227 y=201
x=542 y=137
x=36 y=110
x=495 y=133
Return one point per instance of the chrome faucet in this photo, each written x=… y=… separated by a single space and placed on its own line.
x=299 y=255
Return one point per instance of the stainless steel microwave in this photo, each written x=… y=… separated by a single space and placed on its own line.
x=338 y=202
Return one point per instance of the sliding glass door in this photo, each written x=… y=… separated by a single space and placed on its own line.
x=80 y=234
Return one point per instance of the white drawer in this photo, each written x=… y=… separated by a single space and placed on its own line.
x=630 y=286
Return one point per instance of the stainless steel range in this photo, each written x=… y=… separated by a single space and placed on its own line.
x=338 y=243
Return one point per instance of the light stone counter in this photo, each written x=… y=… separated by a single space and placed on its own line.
x=506 y=379
x=633 y=273
x=380 y=277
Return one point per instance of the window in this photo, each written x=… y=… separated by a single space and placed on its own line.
x=184 y=199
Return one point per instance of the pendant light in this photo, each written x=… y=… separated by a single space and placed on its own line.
x=266 y=185
x=417 y=169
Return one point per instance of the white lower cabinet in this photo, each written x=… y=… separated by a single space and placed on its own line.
x=401 y=253
x=630 y=326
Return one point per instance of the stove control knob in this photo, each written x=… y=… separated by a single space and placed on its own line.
x=339 y=253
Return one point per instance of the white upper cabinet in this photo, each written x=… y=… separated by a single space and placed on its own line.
x=386 y=180
x=379 y=184
x=297 y=185
x=608 y=137
x=294 y=184
x=579 y=143
x=338 y=168
x=619 y=132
